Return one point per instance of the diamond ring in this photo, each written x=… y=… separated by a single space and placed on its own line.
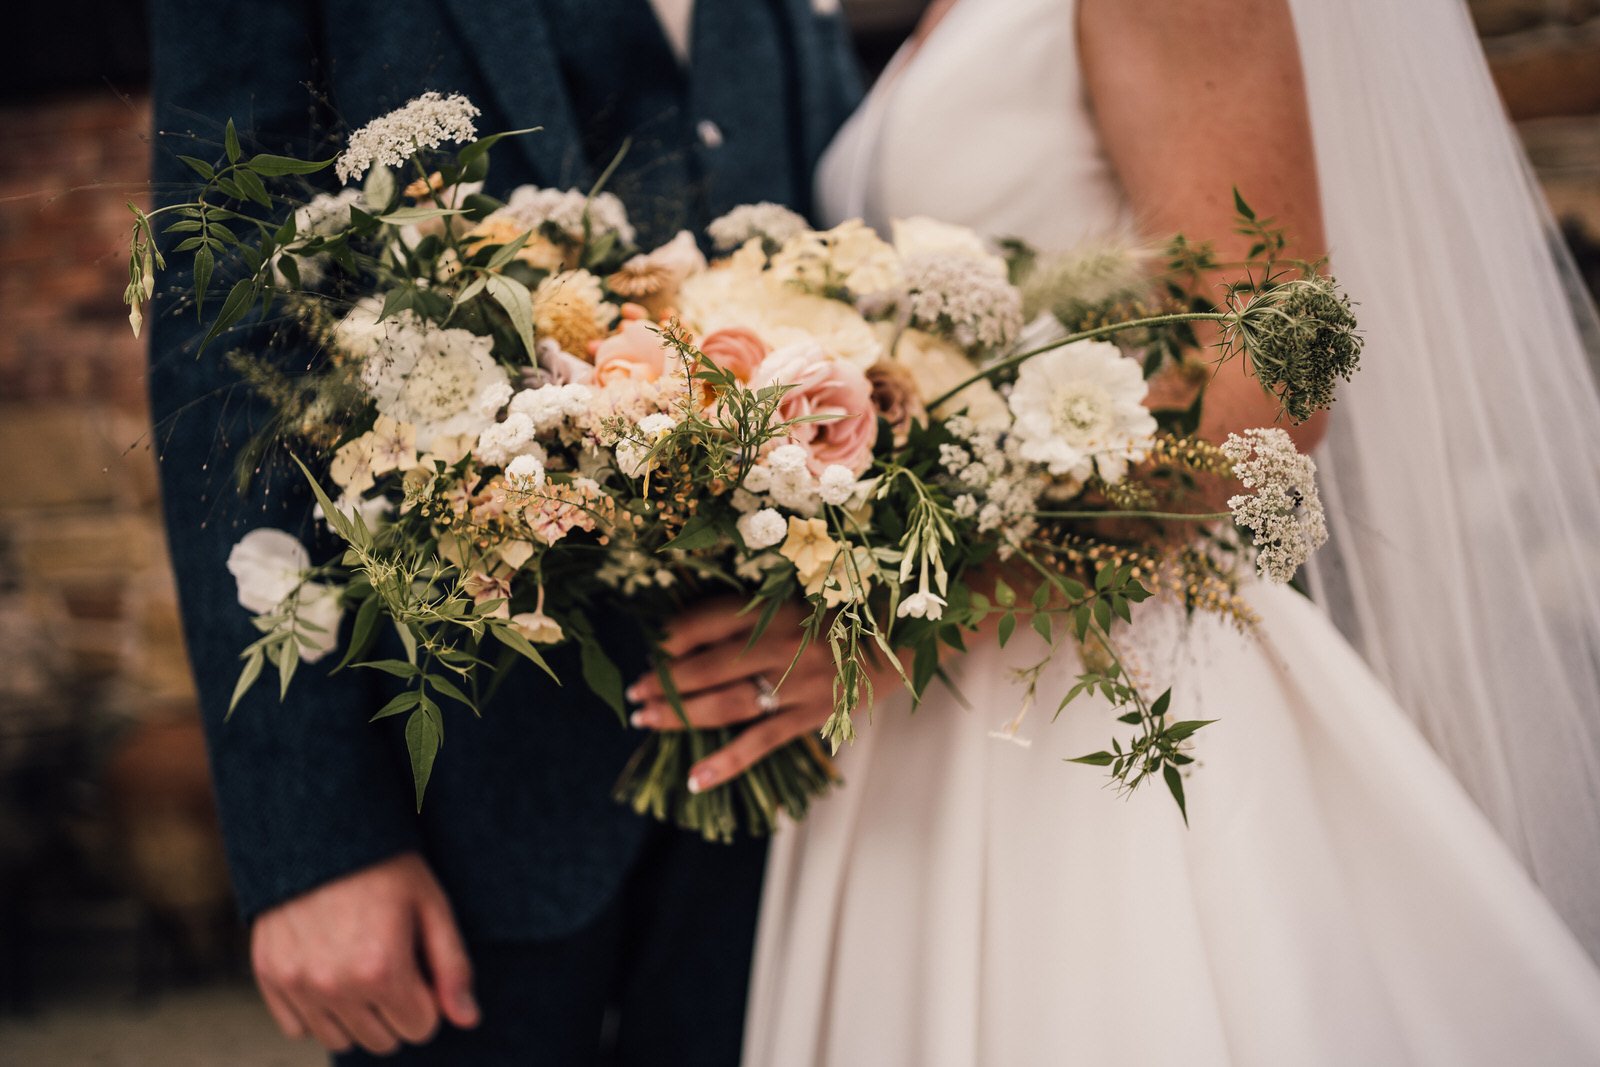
x=766 y=695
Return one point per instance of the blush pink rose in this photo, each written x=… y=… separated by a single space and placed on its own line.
x=735 y=350
x=822 y=385
x=633 y=352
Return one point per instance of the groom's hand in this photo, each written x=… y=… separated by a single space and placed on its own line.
x=371 y=959
x=715 y=666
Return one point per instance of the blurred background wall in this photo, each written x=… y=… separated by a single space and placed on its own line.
x=111 y=879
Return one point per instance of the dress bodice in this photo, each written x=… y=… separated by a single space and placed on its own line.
x=985 y=123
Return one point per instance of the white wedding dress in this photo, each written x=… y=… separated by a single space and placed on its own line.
x=1336 y=899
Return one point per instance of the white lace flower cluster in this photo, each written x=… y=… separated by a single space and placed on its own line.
x=443 y=382
x=765 y=221
x=963 y=298
x=546 y=411
x=990 y=482
x=1079 y=410
x=1283 y=512
x=531 y=207
x=388 y=141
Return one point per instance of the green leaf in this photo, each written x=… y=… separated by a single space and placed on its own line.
x=407 y=215
x=378 y=189
x=1004 y=595
x=361 y=634
x=1041 y=625
x=402 y=702
x=698 y=533
x=1102 y=615
x=1179 y=731
x=1159 y=708
x=397 y=667
x=247 y=677
x=602 y=675
x=451 y=690
x=1041 y=596
x=1008 y=624
x=480 y=148
x=230 y=141
x=234 y=306
x=423 y=737
x=288 y=658
x=1094 y=759
x=514 y=297
x=521 y=645
x=271 y=166
x=251 y=186
x=507 y=252
x=200 y=167
x=203 y=265
x=396 y=301
x=337 y=520
x=1244 y=210
x=1175 y=787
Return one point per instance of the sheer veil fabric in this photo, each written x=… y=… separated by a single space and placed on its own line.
x=1462 y=466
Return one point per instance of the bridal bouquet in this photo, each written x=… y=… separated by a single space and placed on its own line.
x=514 y=417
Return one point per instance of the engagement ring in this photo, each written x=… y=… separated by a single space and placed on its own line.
x=766 y=695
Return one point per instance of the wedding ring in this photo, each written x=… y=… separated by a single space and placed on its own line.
x=766 y=695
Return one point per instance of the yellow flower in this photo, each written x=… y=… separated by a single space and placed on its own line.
x=810 y=549
x=570 y=309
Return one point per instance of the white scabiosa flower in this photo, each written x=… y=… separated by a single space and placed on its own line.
x=762 y=529
x=525 y=473
x=1283 y=511
x=1080 y=410
x=426 y=122
x=771 y=223
x=923 y=605
x=433 y=379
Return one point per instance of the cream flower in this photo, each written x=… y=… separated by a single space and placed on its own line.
x=920 y=235
x=923 y=605
x=394 y=445
x=351 y=468
x=483 y=588
x=538 y=628
x=269 y=565
x=734 y=298
x=1080 y=410
x=426 y=122
x=762 y=529
x=809 y=548
x=850 y=256
x=570 y=308
x=432 y=379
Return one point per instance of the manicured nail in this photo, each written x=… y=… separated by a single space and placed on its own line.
x=638 y=720
x=696 y=783
x=635 y=692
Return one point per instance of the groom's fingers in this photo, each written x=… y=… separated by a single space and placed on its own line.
x=752 y=746
x=732 y=703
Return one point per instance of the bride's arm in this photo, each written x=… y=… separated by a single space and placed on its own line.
x=1194 y=98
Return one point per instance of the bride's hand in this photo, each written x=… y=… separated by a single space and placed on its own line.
x=716 y=669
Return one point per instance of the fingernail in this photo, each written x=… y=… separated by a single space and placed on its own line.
x=635 y=692
x=696 y=783
x=638 y=720
x=469 y=1006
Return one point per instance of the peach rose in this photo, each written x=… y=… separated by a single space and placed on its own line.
x=822 y=385
x=735 y=350
x=633 y=352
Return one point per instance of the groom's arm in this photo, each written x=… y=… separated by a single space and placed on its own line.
x=306 y=789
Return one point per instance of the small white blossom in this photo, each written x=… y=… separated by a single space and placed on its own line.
x=633 y=459
x=502 y=442
x=923 y=605
x=763 y=529
x=786 y=459
x=532 y=208
x=758 y=479
x=656 y=426
x=426 y=122
x=963 y=298
x=965 y=506
x=837 y=484
x=493 y=397
x=1284 y=511
x=432 y=378
x=525 y=473
x=767 y=221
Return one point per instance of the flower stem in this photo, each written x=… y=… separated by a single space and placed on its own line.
x=1083 y=335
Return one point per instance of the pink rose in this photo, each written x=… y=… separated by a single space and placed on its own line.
x=634 y=352
x=824 y=386
x=735 y=350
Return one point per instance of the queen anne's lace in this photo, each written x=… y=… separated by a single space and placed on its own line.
x=773 y=223
x=426 y=122
x=962 y=298
x=1284 y=512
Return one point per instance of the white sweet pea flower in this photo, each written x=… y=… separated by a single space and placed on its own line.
x=319 y=606
x=923 y=605
x=269 y=565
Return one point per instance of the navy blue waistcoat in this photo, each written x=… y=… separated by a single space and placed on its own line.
x=518 y=819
